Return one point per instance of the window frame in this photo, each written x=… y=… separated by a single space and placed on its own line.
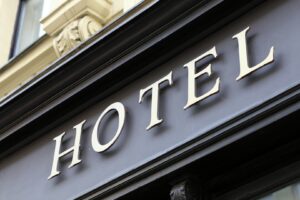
x=18 y=22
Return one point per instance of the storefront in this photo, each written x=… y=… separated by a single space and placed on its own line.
x=185 y=100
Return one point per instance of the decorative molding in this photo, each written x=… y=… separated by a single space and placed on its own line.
x=75 y=33
x=24 y=67
x=68 y=11
x=74 y=21
x=185 y=190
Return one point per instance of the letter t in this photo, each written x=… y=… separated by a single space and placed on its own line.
x=155 y=99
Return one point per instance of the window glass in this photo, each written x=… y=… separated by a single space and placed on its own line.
x=29 y=24
x=291 y=192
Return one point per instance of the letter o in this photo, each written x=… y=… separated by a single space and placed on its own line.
x=97 y=146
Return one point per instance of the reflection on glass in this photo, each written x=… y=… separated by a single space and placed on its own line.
x=291 y=192
x=29 y=26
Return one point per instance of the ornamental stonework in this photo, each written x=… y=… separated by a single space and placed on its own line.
x=72 y=22
x=75 y=33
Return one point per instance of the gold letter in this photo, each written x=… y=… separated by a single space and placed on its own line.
x=119 y=107
x=192 y=76
x=75 y=149
x=245 y=69
x=155 y=99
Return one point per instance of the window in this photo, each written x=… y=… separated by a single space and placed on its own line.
x=291 y=192
x=28 y=28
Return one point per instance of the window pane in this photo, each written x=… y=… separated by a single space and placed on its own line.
x=29 y=26
x=288 y=193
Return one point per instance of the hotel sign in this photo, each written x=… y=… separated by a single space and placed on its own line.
x=153 y=92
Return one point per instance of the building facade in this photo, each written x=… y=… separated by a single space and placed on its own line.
x=131 y=99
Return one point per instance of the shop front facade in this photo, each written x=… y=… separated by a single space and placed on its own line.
x=182 y=100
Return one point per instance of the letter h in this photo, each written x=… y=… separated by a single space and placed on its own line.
x=75 y=149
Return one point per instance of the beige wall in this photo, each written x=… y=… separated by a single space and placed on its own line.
x=128 y=4
x=8 y=14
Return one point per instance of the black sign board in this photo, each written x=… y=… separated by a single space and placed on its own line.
x=137 y=150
